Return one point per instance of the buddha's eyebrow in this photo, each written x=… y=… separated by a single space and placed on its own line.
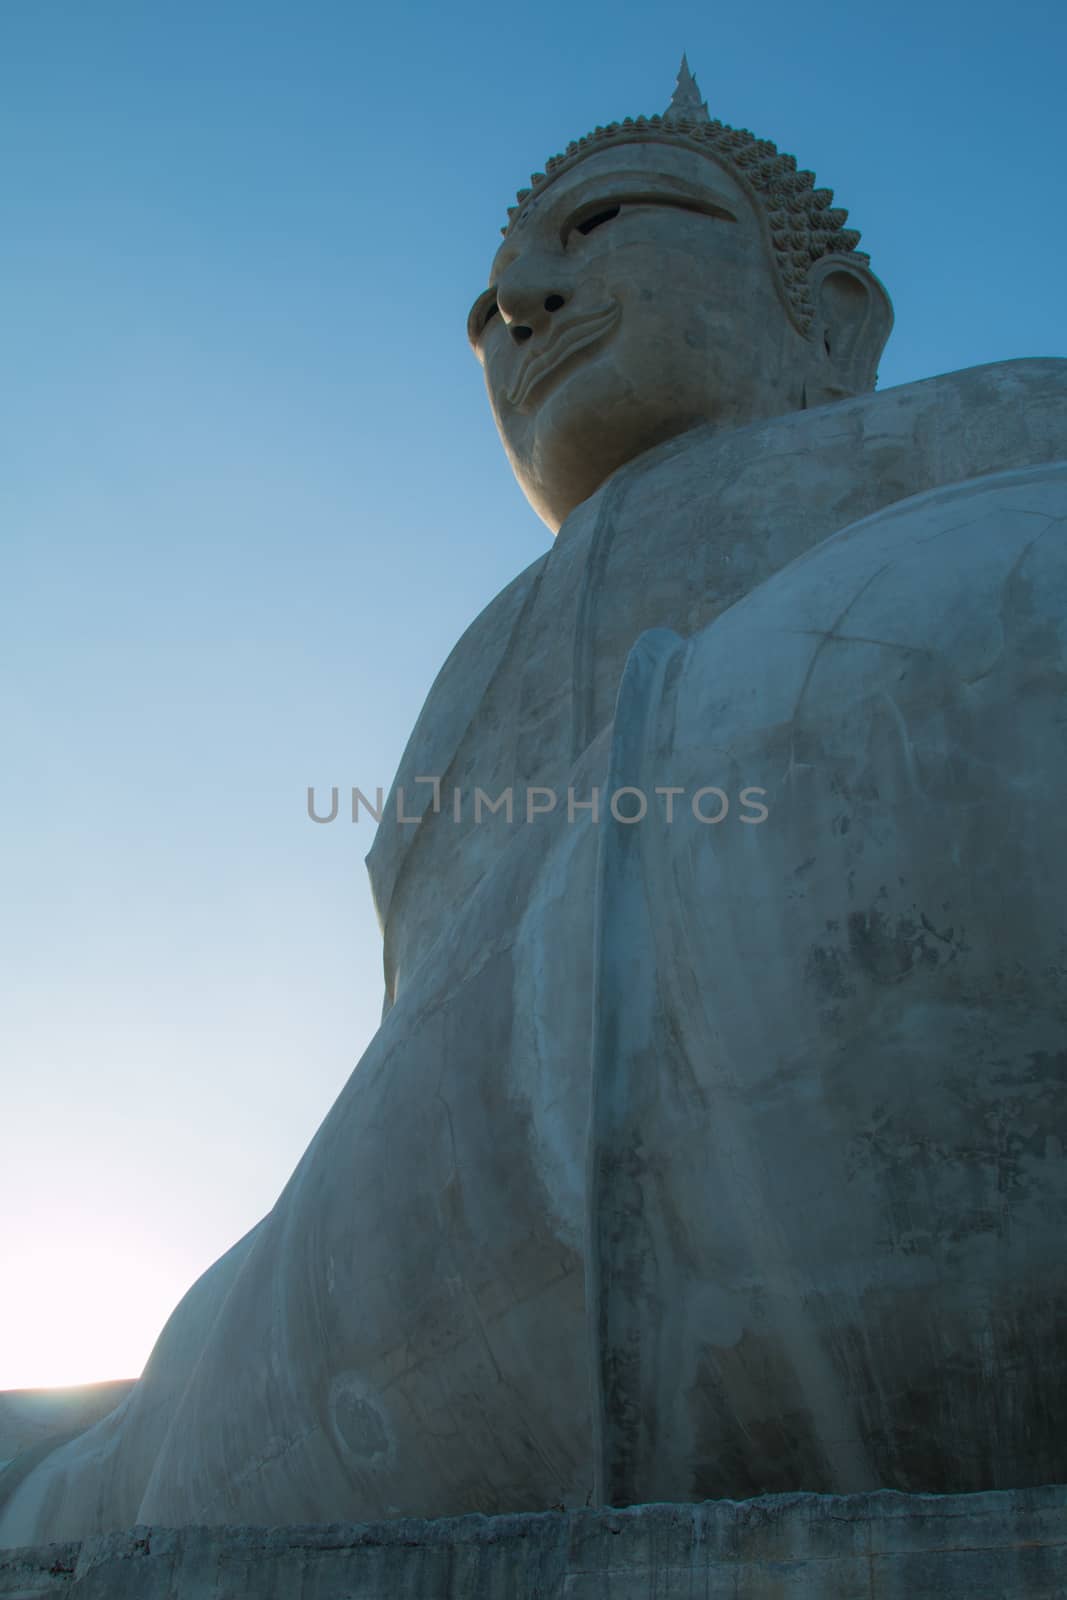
x=621 y=185
x=502 y=263
x=645 y=186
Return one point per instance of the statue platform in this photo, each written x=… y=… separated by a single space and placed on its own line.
x=1000 y=1545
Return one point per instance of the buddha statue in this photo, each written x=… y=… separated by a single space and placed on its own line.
x=712 y=1142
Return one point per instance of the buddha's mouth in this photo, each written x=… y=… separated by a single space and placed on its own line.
x=569 y=342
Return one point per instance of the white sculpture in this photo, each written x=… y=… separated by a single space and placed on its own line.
x=692 y=1158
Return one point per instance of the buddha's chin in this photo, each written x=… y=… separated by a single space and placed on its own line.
x=573 y=448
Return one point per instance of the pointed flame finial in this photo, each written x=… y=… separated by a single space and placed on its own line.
x=686 y=102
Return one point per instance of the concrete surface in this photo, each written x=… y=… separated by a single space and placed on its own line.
x=785 y=1547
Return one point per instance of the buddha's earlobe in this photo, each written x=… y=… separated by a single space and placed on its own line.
x=853 y=320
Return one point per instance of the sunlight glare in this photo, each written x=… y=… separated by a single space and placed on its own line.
x=89 y=1308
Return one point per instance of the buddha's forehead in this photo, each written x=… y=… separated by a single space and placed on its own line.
x=651 y=165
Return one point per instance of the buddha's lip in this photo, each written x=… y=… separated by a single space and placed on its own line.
x=578 y=333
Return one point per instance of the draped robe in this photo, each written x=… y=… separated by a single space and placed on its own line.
x=689 y=1159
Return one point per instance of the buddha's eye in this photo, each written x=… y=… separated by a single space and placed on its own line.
x=598 y=220
x=596 y=216
x=585 y=222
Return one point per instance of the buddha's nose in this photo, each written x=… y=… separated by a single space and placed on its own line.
x=529 y=294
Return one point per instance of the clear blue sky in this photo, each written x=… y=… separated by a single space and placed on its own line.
x=251 y=494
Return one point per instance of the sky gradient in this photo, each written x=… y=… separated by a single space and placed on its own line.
x=251 y=494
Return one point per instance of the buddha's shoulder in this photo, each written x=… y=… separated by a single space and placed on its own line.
x=453 y=699
x=474 y=658
x=1029 y=394
x=466 y=673
x=1031 y=372
x=893 y=442
x=1003 y=417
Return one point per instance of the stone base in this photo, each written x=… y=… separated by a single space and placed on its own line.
x=1007 y=1545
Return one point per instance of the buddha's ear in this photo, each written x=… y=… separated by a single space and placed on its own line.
x=853 y=320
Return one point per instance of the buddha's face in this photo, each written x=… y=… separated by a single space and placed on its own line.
x=634 y=300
